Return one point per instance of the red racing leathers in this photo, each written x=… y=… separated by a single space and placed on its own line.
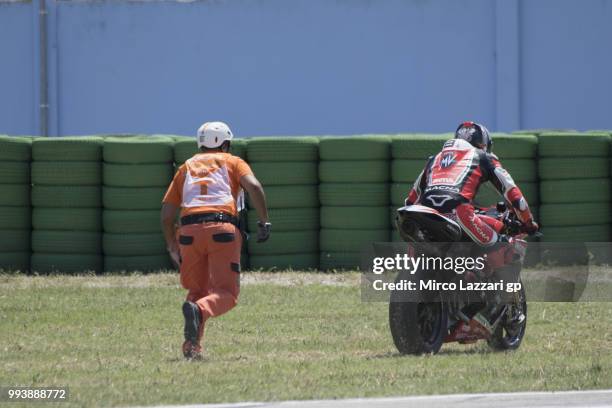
x=451 y=179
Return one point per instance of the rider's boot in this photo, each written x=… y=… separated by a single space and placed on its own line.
x=484 y=317
x=481 y=324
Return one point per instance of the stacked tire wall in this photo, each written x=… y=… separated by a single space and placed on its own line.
x=574 y=172
x=137 y=171
x=76 y=204
x=287 y=168
x=354 y=194
x=66 y=216
x=15 y=211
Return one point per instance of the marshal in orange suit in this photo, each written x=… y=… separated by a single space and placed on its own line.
x=208 y=189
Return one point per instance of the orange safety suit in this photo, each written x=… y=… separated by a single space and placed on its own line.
x=210 y=251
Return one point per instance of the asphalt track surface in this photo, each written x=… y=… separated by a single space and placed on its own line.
x=572 y=399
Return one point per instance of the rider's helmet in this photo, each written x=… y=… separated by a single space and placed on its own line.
x=476 y=134
x=213 y=134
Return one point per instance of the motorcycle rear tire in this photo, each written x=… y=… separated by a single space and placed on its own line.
x=406 y=329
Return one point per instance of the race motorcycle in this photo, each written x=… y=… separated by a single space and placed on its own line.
x=420 y=327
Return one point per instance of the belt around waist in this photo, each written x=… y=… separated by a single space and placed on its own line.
x=201 y=218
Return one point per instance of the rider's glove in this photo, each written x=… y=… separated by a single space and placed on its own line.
x=263 y=231
x=531 y=227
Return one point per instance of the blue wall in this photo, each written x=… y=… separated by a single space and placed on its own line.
x=18 y=74
x=309 y=66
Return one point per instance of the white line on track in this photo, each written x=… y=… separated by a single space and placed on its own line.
x=572 y=399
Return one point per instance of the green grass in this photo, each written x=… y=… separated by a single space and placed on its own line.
x=116 y=341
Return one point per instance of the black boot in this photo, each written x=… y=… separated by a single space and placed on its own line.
x=193 y=319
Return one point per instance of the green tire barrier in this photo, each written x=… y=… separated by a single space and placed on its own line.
x=280 y=262
x=288 y=219
x=66 y=242
x=15 y=195
x=369 y=147
x=361 y=171
x=582 y=233
x=131 y=221
x=138 y=150
x=531 y=193
x=184 y=149
x=119 y=135
x=344 y=240
x=146 y=263
x=66 y=173
x=395 y=236
x=561 y=215
x=14 y=240
x=521 y=170
x=574 y=170
x=282 y=149
x=238 y=147
x=406 y=170
x=339 y=260
x=537 y=132
x=15 y=218
x=418 y=147
x=13 y=172
x=69 y=219
x=573 y=145
x=66 y=263
x=559 y=168
x=14 y=261
x=244 y=260
x=67 y=196
x=370 y=218
x=15 y=148
x=292 y=196
x=137 y=175
x=487 y=195
x=134 y=198
x=399 y=193
x=358 y=195
x=286 y=173
x=133 y=244
x=77 y=148
x=575 y=191
x=514 y=146
x=285 y=243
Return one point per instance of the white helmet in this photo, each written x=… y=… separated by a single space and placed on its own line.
x=213 y=134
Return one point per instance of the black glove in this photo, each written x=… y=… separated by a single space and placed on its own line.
x=263 y=231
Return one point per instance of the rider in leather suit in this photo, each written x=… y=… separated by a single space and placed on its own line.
x=451 y=179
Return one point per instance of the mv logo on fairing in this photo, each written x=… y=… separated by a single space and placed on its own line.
x=447 y=160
